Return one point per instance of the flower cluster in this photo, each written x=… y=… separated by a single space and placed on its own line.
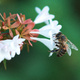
x=48 y=30
x=14 y=32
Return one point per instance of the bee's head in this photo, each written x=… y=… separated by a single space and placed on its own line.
x=63 y=38
x=59 y=34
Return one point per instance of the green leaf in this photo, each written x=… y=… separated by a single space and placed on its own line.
x=4 y=62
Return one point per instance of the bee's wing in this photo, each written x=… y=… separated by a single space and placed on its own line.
x=71 y=45
x=69 y=51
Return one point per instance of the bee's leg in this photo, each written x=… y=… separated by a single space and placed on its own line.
x=54 y=50
x=58 y=42
x=57 y=45
x=58 y=38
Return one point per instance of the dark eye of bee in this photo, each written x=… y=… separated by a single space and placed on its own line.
x=58 y=34
x=63 y=38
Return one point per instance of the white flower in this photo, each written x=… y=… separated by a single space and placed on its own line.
x=43 y=16
x=15 y=44
x=53 y=27
x=47 y=42
x=4 y=52
x=8 y=48
x=49 y=31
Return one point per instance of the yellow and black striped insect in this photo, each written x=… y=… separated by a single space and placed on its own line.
x=63 y=45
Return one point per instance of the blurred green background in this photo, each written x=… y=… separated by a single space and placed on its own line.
x=36 y=65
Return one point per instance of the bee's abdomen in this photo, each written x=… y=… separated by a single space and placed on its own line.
x=61 y=52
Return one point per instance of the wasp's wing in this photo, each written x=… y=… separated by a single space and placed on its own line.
x=71 y=45
x=69 y=51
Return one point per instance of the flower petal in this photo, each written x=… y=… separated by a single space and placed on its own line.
x=45 y=10
x=46 y=42
x=17 y=50
x=37 y=10
x=43 y=15
x=16 y=37
x=20 y=40
x=43 y=18
x=44 y=33
x=12 y=54
x=51 y=53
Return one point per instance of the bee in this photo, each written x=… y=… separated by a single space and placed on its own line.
x=63 y=44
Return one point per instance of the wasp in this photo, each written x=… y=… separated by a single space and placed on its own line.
x=63 y=45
